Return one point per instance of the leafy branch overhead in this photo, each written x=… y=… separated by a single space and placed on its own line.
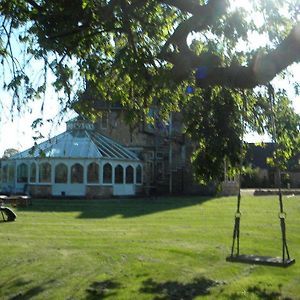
x=139 y=52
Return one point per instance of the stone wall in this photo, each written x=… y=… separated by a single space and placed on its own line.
x=96 y=191
x=37 y=190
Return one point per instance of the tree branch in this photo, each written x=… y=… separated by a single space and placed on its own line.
x=261 y=70
x=185 y=60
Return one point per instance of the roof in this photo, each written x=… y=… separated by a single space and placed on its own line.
x=257 y=155
x=79 y=144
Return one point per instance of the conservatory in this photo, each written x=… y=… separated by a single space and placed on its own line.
x=78 y=162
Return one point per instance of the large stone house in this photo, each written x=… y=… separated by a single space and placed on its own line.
x=162 y=146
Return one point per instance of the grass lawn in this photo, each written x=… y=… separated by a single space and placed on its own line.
x=165 y=248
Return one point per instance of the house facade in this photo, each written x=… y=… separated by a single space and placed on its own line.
x=163 y=147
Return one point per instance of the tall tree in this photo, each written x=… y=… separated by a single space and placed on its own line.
x=136 y=52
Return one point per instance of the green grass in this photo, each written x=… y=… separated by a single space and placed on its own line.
x=166 y=248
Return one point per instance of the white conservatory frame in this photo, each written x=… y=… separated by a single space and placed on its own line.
x=73 y=150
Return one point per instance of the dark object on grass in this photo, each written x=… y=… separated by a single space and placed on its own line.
x=9 y=214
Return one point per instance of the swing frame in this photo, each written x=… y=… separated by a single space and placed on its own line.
x=285 y=260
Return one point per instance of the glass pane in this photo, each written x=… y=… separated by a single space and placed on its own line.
x=93 y=173
x=33 y=172
x=119 y=174
x=11 y=173
x=4 y=174
x=61 y=173
x=22 y=173
x=45 y=172
x=77 y=173
x=107 y=173
x=129 y=174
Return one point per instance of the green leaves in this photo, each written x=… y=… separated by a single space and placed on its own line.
x=140 y=54
x=213 y=122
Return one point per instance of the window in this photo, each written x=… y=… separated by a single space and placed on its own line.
x=93 y=173
x=22 y=173
x=139 y=174
x=11 y=173
x=61 y=173
x=119 y=174
x=150 y=155
x=77 y=173
x=107 y=173
x=45 y=172
x=32 y=177
x=159 y=155
x=4 y=174
x=129 y=174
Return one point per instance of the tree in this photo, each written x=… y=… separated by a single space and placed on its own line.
x=9 y=152
x=138 y=52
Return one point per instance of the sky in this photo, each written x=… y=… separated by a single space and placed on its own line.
x=18 y=133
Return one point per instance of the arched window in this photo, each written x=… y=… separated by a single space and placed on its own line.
x=22 y=173
x=4 y=174
x=11 y=173
x=107 y=173
x=119 y=174
x=138 y=174
x=61 y=173
x=77 y=173
x=93 y=173
x=45 y=172
x=129 y=174
x=32 y=172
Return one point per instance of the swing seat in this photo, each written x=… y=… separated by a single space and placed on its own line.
x=261 y=260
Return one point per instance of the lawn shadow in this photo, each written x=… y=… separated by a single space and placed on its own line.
x=259 y=293
x=17 y=283
x=24 y=293
x=101 y=289
x=28 y=294
x=126 y=208
x=262 y=293
x=173 y=290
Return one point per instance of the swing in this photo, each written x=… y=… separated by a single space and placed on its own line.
x=285 y=260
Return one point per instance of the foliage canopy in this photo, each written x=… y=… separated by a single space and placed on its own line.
x=139 y=52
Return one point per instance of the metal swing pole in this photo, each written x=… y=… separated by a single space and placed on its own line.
x=282 y=214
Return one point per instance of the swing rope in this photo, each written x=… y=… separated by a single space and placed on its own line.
x=237 y=217
x=236 y=257
x=282 y=214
